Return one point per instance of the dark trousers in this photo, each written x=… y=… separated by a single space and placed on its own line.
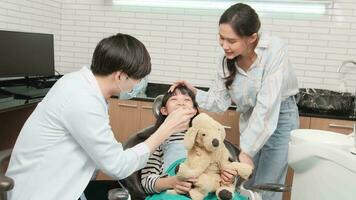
x=98 y=190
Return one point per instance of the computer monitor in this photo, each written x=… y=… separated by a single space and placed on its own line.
x=26 y=54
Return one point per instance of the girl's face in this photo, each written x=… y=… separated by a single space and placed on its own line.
x=232 y=44
x=178 y=100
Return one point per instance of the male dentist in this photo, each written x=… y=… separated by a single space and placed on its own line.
x=68 y=135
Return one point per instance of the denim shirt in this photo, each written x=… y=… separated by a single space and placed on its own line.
x=257 y=92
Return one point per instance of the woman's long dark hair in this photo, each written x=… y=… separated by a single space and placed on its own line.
x=245 y=22
x=183 y=90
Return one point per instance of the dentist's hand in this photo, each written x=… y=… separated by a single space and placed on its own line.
x=179 y=119
x=185 y=83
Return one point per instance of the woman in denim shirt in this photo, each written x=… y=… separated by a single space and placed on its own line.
x=255 y=74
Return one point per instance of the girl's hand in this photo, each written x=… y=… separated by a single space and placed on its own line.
x=182 y=187
x=185 y=83
x=228 y=176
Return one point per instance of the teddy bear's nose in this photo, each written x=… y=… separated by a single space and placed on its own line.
x=215 y=142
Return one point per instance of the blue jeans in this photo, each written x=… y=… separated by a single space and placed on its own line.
x=271 y=161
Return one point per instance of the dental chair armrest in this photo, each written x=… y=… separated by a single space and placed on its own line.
x=233 y=149
x=6 y=183
x=272 y=187
x=118 y=194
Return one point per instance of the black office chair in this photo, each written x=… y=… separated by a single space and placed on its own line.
x=6 y=183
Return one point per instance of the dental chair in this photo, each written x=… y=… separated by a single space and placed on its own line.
x=132 y=184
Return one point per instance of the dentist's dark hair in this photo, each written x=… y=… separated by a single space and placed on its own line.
x=245 y=22
x=121 y=52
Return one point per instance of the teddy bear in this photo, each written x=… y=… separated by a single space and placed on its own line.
x=206 y=157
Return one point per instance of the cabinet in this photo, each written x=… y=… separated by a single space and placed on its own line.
x=146 y=115
x=327 y=124
x=128 y=117
x=304 y=122
x=335 y=125
x=11 y=123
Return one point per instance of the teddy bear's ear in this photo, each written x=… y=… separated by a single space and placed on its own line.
x=189 y=137
x=222 y=132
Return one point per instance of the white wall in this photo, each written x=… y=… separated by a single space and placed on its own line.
x=182 y=42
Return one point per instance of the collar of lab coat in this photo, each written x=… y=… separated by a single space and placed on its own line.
x=89 y=76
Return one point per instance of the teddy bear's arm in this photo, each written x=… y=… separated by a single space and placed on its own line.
x=244 y=170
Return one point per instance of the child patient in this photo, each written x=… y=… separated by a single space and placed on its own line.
x=159 y=175
x=154 y=178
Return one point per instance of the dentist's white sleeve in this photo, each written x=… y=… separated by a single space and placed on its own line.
x=88 y=122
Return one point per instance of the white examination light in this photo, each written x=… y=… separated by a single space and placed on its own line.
x=288 y=6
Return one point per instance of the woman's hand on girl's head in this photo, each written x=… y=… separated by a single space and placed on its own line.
x=182 y=187
x=185 y=83
x=179 y=119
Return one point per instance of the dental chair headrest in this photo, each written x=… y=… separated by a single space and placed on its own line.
x=157 y=103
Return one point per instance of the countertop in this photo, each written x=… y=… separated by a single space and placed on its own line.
x=21 y=93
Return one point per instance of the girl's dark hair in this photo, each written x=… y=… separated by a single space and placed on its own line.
x=183 y=90
x=245 y=22
x=121 y=52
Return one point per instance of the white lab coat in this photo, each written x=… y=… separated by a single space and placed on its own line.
x=66 y=137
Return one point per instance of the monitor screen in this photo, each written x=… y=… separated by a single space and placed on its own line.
x=26 y=54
